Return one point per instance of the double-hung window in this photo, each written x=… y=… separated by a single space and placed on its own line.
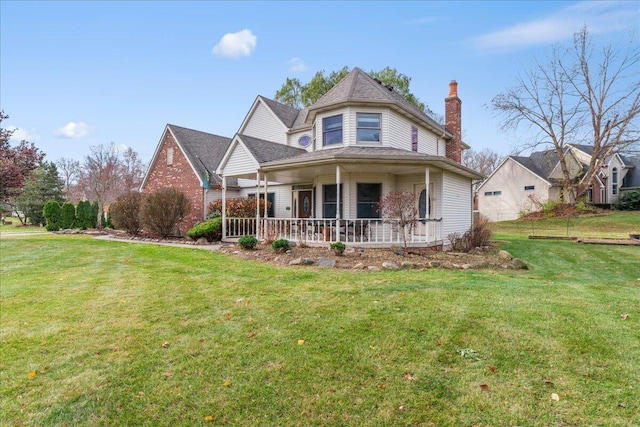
x=614 y=180
x=332 y=130
x=330 y=200
x=368 y=127
x=368 y=199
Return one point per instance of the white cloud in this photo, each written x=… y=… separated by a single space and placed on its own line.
x=598 y=17
x=23 y=134
x=234 y=45
x=296 y=65
x=74 y=130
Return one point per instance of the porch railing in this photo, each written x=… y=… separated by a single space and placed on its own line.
x=361 y=232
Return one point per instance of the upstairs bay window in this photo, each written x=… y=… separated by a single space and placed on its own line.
x=368 y=127
x=332 y=130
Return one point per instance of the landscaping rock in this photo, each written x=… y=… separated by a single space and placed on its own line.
x=407 y=265
x=296 y=261
x=502 y=254
x=518 y=264
x=358 y=266
x=434 y=264
x=202 y=241
x=373 y=268
x=326 y=262
x=399 y=252
x=388 y=265
x=307 y=261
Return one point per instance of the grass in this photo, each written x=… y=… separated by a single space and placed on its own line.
x=17 y=227
x=83 y=323
x=608 y=225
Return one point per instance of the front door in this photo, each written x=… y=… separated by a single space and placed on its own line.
x=424 y=207
x=305 y=206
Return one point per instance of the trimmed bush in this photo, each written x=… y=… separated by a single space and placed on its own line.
x=248 y=242
x=210 y=229
x=125 y=212
x=281 y=245
x=51 y=212
x=629 y=201
x=163 y=210
x=83 y=215
x=67 y=216
x=337 y=247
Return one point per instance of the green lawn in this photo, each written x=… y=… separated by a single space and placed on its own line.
x=105 y=333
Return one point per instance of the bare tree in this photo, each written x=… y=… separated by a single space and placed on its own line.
x=399 y=208
x=131 y=170
x=101 y=175
x=584 y=96
x=484 y=161
x=70 y=172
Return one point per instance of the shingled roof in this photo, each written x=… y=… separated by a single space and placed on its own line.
x=632 y=178
x=267 y=151
x=541 y=163
x=204 y=150
x=360 y=87
x=285 y=113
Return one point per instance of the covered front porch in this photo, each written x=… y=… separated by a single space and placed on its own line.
x=333 y=195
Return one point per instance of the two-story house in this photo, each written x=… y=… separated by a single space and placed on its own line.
x=324 y=169
x=520 y=183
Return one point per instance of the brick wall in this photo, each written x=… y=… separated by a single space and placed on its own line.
x=453 y=122
x=178 y=175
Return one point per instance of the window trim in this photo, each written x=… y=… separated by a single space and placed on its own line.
x=378 y=128
x=325 y=131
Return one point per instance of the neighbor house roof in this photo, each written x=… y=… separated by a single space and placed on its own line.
x=632 y=178
x=541 y=163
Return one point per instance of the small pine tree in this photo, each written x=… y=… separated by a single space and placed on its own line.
x=51 y=213
x=68 y=216
x=83 y=215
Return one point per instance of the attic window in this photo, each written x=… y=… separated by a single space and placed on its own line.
x=529 y=187
x=492 y=193
x=169 y=156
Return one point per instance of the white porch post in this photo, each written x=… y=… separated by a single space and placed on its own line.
x=224 y=208
x=427 y=204
x=266 y=202
x=338 y=184
x=257 y=204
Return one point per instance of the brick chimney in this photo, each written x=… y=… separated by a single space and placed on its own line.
x=453 y=122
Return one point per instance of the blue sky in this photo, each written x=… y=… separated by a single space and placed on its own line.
x=77 y=74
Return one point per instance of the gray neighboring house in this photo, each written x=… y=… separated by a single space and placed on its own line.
x=520 y=183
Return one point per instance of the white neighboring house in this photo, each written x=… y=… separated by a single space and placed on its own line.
x=519 y=183
x=324 y=168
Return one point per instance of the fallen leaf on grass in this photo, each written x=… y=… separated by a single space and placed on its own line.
x=493 y=369
x=403 y=293
x=300 y=342
x=252 y=334
x=116 y=348
x=381 y=385
x=409 y=376
x=31 y=374
x=484 y=387
x=227 y=383
x=209 y=418
x=624 y=316
x=621 y=405
x=167 y=374
x=401 y=408
x=165 y=344
x=555 y=397
x=549 y=383
x=228 y=316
